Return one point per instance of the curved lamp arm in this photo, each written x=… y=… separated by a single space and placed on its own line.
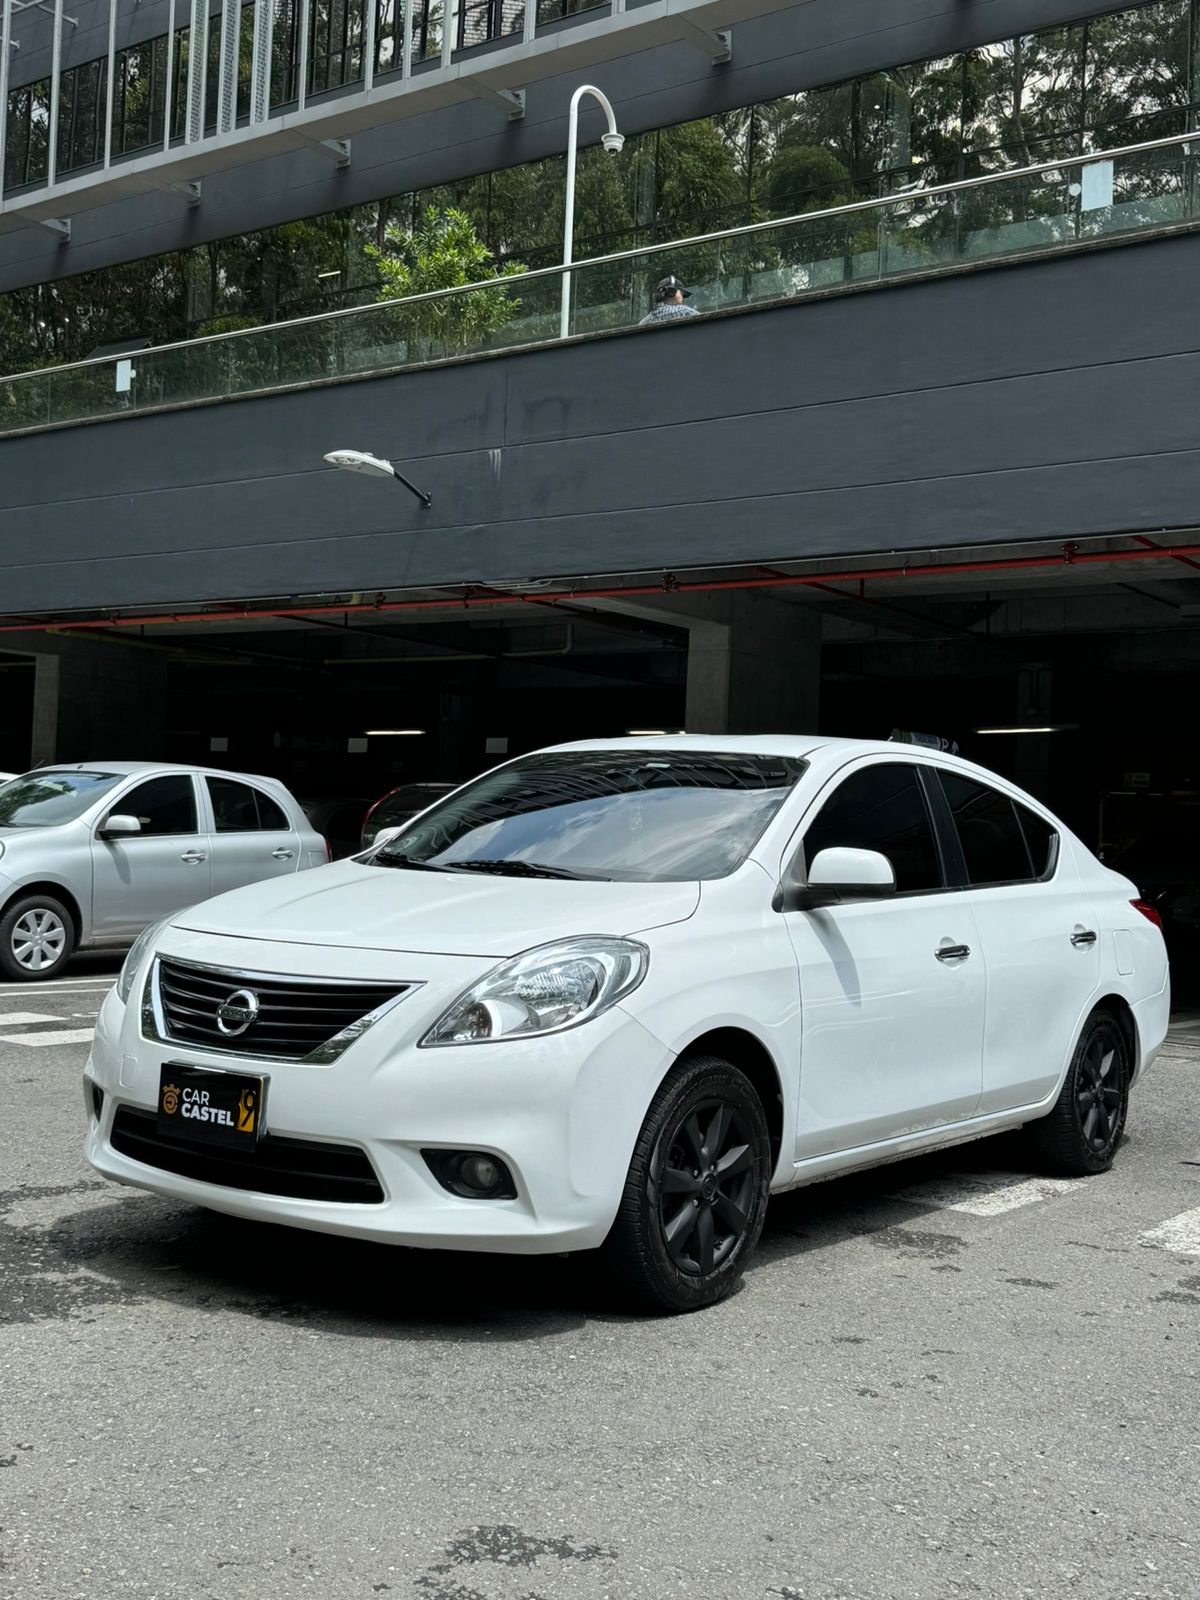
x=613 y=140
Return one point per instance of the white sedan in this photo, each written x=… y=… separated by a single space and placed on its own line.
x=610 y=996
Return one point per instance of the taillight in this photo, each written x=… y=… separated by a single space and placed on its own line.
x=1148 y=911
x=371 y=810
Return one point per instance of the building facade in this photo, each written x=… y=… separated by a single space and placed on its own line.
x=924 y=460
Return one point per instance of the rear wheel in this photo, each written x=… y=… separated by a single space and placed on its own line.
x=1080 y=1136
x=696 y=1193
x=37 y=936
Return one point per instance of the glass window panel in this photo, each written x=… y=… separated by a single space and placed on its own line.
x=1040 y=838
x=881 y=808
x=1136 y=74
x=162 y=806
x=1021 y=93
x=37 y=159
x=988 y=831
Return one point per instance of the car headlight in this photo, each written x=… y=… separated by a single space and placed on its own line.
x=553 y=987
x=138 y=950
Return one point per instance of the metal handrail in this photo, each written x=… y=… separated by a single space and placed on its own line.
x=873 y=203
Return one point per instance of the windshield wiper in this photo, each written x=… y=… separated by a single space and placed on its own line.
x=383 y=859
x=522 y=869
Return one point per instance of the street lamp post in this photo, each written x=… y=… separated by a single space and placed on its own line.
x=613 y=142
x=375 y=467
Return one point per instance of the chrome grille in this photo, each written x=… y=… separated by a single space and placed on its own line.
x=298 y=1019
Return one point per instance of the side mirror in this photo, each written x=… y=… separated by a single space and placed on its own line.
x=837 y=875
x=117 y=825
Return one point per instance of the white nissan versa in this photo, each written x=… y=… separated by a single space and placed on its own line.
x=612 y=995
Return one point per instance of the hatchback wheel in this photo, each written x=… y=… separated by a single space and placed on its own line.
x=1081 y=1134
x=37 y=936
x=696 y=1193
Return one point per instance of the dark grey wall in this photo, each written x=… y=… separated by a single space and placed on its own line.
x=810 y=43
x=1036 y=402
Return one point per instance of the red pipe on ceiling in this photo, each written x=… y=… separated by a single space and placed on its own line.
x=1068 y=557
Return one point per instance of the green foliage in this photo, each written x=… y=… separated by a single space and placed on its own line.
x=444 y=252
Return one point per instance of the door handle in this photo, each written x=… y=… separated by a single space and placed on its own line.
x=1083 y=937
x=193 y=857
x=282 y=855
x=952 y=952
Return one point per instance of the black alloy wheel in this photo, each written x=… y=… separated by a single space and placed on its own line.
x=696 y=1193
x=705 y=1185
x=1081 y=1135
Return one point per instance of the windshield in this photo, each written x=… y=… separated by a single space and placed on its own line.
x=44 y=799
x=643 y=816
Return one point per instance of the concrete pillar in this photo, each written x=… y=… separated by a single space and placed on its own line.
x=754 y=662
x=97 y=701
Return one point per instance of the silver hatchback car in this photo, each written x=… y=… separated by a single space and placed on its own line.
x=91 y=854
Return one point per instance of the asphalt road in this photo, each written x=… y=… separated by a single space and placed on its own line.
x=942 y=1379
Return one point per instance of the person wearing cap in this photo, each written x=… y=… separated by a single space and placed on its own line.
x=669 y=305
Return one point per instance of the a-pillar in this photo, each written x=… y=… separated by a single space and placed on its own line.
x=96 y=700
x=754 y=662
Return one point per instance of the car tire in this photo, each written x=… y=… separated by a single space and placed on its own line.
x=695 y=1196
x=1080 y=1136
x=36 y=928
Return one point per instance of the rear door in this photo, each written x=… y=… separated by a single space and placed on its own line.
x=1039 y=934
x=139 y=877
x=252 y=837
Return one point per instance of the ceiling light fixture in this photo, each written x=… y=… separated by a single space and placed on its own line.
x=395 y=733
x=1046 y=727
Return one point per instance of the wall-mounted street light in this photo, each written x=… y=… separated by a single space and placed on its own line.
x=374 y=467
x=613 y=142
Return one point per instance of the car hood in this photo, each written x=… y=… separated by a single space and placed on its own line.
x=385 y=908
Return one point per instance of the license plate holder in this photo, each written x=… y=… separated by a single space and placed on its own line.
x=208 y=1106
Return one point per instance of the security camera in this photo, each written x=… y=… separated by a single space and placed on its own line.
x=614 y=143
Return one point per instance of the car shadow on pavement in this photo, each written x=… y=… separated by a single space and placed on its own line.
x=148 y=1248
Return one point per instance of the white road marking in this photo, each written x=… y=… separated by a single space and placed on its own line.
x=10 y=1019
x=55 y=1036
x=84 y=986
x=1180 y=1234
x=983 y=1194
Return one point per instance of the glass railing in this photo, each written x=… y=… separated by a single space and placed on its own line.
x=1088 y=200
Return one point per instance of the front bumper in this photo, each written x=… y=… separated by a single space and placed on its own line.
x=562 y=1112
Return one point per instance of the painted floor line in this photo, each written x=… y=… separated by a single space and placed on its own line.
x=1180 y=1234
x=56 y=1036
x=983 y=1194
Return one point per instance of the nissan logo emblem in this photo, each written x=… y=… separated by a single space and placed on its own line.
x=237 y=1013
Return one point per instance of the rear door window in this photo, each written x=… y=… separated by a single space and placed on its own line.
x=881 y=808
x=240 y=808
x=991 y=834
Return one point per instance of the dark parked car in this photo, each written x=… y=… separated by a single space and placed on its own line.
x=399 y=804
x=340 y=821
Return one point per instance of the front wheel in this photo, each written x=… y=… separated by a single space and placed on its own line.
x=37 y=937
x=696 y=1193
x=1080 y=1136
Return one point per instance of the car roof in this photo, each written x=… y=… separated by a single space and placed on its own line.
x=797 y=746
x=127 y=769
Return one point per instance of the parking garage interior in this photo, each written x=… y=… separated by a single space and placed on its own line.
x=1070 y=669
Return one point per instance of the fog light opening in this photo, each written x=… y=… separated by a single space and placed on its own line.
x=471 y=1174
x=97 y=1101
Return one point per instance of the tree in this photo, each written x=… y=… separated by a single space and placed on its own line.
x=443 y=252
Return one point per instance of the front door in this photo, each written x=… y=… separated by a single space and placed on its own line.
x=891 y=991
x=139 y=877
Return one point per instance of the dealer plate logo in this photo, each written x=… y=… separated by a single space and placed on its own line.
x=237 y=1013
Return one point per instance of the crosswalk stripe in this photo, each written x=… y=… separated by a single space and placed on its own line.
x=12 y=1019
x=1180 y=1234
x=55 y=1036
x=982 y=1194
